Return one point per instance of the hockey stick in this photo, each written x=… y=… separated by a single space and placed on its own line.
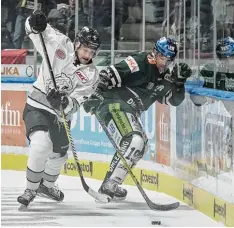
x=98 y=196
x=152 y=206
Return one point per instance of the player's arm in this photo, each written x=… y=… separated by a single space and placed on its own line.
x=116 y=75
x=58 y=45
x=113 y=76
x=174 y=84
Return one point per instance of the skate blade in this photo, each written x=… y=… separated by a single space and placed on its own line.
x=102 y=202
x=114 y=200
x=22 y=207
x=47 y=197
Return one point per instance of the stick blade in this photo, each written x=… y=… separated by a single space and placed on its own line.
x=98 y=196
x=163 y=207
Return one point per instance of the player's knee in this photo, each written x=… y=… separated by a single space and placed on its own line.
x=40 y=143
x=136 y=148
x=56 y=161
x=39 y=149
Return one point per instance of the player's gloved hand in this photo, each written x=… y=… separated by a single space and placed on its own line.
x=56 y=99
x=37 y=21
x=180 y=73
x=104 y=81
x=94 y=102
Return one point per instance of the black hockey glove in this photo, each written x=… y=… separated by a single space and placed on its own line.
x=180 y=73
x=37 y=21
x=104 y=81
x=57 y=98
x=94 y=102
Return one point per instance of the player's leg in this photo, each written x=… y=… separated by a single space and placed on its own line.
x=37 y=131
x=55 y=162
x=127 y=133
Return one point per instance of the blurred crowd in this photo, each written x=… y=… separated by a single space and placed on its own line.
x=61 y=15
x=128 y=20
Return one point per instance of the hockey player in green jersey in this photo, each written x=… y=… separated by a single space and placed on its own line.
x=126 y=90
x=220 y=75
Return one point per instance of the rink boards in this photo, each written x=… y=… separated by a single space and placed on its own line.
x=201 y=200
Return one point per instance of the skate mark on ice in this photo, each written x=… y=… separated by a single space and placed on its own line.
x=42 y=212
x=131 y=205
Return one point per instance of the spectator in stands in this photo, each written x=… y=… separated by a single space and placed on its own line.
x=126 y=4
x=6 y=41
x=176 y=19
x=103 y=17
x=221 y=75
x=68 y=11
x=24 y=9
x=58 y=20
x=8 y=17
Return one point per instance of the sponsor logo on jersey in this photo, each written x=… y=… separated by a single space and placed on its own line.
x=114 y=132
x=150 y=85
x=60 y=54
x=83 y=78
x=168 y=78
x=132 y=64
x=149 y=179
x=114 y=162
x=134 y=123
x=124 y=147
x=132 y=103
x=111 y=128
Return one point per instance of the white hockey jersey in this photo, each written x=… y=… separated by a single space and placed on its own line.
x=78 y=82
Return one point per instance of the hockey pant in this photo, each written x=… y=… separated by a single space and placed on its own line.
x=48 y=145
x=126 y=131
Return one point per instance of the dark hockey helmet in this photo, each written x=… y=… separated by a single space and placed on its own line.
x=88 y=37
x=166 y=47
x=225 y=48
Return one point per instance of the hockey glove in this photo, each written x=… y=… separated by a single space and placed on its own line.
x=180 y=73
x=57 y=98
x=93 y=103
x=37 y=21
x=104 y=81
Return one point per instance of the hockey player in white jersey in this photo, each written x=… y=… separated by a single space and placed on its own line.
x=76 y=78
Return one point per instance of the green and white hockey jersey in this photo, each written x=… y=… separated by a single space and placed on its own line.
x=137 y=78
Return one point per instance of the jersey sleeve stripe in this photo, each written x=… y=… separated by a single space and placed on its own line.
x=116 y=74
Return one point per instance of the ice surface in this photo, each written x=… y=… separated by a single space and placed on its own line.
x=80 y=209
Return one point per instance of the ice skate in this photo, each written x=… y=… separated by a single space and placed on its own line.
x=27 y=197
x=50 y=193
x=113 y=191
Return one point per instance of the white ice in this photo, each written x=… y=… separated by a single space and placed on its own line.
x=80 y=209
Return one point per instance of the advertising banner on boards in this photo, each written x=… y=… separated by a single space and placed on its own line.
x=12 y=124
x=88 y=135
